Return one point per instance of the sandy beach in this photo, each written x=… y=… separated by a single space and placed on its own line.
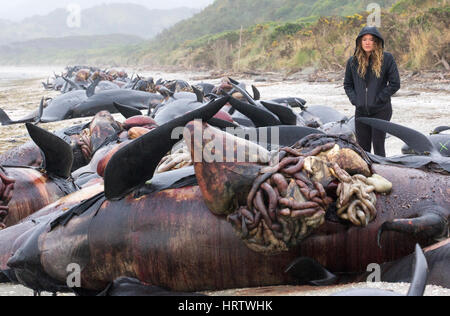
x=420 y=105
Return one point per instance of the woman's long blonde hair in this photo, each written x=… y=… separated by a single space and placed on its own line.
x=377 y=58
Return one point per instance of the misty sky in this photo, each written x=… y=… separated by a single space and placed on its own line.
x=19 y=9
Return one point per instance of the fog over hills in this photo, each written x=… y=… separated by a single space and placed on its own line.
x=116 y=18
x=18 y=10
x=97 y=49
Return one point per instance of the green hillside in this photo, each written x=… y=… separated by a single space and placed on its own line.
x=227 y=15
x=416 y=31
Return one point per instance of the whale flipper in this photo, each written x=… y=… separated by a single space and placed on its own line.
x=420 y=274
x=127 y=111
x=284 y=113
x=260 y=117
x=414 y=139
x=308 y=271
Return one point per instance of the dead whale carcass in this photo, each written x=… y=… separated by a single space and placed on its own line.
x=181 y=238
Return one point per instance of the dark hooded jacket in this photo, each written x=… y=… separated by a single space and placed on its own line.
x=371 y=95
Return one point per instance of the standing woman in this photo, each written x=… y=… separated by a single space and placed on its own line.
x=371 y=79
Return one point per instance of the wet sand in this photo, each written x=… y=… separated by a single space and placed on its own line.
x=420 y=106
x=400 y=288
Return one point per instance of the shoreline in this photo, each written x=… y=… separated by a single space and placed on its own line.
x=420 y=100
x=308 y=74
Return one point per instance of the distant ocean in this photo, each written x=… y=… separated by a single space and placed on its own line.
x=8 y=73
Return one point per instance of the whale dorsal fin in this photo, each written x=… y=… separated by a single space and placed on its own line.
x=58 y=155
x=73 y=84
x=256 y=93
x=199 y=94
x=136 y=163
x=90 y=91
x=4 y=118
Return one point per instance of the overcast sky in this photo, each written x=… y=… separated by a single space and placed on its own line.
x=19 y=9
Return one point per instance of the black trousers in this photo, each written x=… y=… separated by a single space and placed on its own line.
x=366 y=135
